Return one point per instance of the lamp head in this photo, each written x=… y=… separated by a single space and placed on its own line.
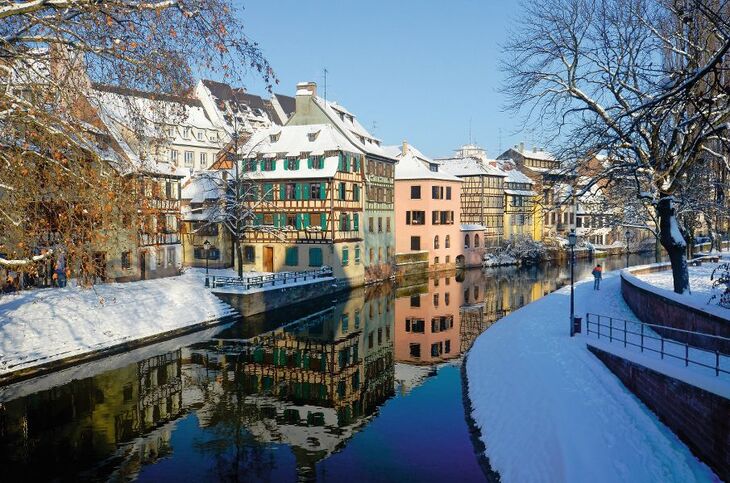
x=206 y=244
x=572 y=238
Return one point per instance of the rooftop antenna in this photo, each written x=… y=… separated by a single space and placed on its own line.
x=325 y=84
x=374 y=127
x=470 y=131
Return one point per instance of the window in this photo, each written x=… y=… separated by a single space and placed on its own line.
x=173 y=156
x=171 y=257
x=415 y=243
x=355 y=192
x=448 y=192
x=316 y=191
x=448 y=259
x=415 y=350
x=476 y=241
x=341 y=191
x=415 y=300
x=436 y=349
x=268 y=165
x=317 y=162
x=466 y=241
x=203 y=160
x=345 y=255
x=200 y=135
x=435 y=300
x=291 y=256
x=370 y=225
x=435 y=260
x=387 y=225
x=126 y=260
x=447 y=298
x=290 y=191
x=447 y=346
x=415 y=192
x=160 y=257
x=315 y=257
x=436 y=242
x=189 y=158
x=249 y=254
x=357 y=254
x=380 y=224
x=447 y=241
x=415 y=217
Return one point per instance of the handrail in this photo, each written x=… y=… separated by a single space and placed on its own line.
x=621 y=326
x=259 y=281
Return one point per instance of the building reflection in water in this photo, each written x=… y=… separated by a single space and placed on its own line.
x=309 y=384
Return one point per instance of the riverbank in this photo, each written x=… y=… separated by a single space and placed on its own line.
x=45 y=329
x=548 y=410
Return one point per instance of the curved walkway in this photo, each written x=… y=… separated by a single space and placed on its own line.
x=549 y=410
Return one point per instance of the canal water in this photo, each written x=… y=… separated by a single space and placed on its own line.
x=364 y=387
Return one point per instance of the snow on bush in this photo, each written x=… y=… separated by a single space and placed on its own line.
x=519 y=250
x=721 y=283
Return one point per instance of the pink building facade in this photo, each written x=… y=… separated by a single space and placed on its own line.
x=427 y=211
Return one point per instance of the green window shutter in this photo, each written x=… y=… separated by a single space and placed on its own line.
x=315 y=257
x=305 y=191
x=296 y=164
x=262 y=165
x=298 y=221
x=268 y=191
x=323 y=191
x=357 y=260
x=309 y=162
x=297 y=191
x=286 y=165
x=252 y=165
x=355 y=221
x=341 y=165
x=292 y=256
x=324 y=221
x=342 y=191
x=282 y=191
x=357 y=164
x=307 y=220
x=259 y=219
x=345 y=255
x=356 y=192
x=282 y=220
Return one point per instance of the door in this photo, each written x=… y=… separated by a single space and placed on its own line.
x=268 y=259
x=142 y=266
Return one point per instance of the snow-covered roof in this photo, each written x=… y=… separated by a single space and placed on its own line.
x=470 y=167
x=414 y=165
x=202 y=186
x=303 y=140
x=514 y=175
x=472 y=227
x=519 y=192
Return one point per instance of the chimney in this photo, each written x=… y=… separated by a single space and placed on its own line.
x=534 y=149
x=404 y=149
x=306 y=91
x=522 y=147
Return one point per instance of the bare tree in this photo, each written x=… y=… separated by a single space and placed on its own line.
x=640 y=80
x=54 y=171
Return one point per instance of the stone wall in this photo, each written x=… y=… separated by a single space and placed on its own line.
x=652 y=308
x=275 y=298
x=701 y=419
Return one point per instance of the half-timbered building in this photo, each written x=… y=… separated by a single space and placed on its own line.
x=482 y=193
x=376 y=169
x=307 y=201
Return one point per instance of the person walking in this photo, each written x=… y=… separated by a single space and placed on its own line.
x=597 y=276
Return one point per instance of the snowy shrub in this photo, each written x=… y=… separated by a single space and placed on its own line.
x=721 y=283
x=519 y=250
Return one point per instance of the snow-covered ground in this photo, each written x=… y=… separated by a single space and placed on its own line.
x=551 y=411
x=699 y=283
x=38 y=326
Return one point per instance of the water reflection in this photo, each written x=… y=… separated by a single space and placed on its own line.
x=289 y=395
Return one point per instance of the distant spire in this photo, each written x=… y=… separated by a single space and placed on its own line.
x=325 y=84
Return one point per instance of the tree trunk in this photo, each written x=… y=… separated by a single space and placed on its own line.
x=672 y=241
x=239 y=257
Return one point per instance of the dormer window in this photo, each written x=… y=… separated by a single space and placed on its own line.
x=312 y=136
x=200 y=135
x=433 y=167
x=274 y=137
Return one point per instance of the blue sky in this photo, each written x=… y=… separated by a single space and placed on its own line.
x=415 y=70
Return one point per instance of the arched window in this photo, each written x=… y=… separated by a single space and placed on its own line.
x=436 y=241
x=466 y=241
x=476 y=241
x=447 y=242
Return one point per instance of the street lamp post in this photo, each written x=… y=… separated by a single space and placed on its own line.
x=628 y=234
x=207 y=248
x=572 y=239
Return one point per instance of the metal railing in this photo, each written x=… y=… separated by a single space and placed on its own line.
x=643 y=336
x=272 y=279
